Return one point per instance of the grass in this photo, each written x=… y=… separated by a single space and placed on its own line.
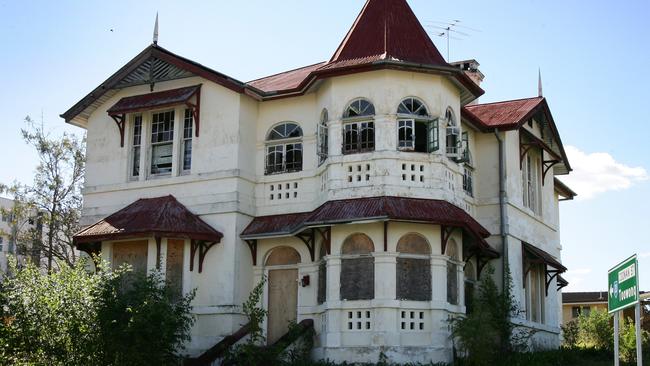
x=561 y=357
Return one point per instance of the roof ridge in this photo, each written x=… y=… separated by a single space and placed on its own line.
x=503 y=101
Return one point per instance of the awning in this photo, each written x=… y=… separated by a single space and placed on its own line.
x=149 y=101
x=365 y=209
x=563 y=190
x=534 y=255
x=150 y=217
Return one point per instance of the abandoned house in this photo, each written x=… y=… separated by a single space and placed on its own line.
x=371 y=190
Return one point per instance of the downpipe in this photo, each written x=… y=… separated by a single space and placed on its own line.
x=503 y=215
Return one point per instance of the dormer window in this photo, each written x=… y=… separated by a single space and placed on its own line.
x=359 y=127
x=453 y=135
x=284 y=149
x=416 y=130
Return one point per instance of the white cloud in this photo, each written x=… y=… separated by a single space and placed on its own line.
x=579 y=271
x=595 y=173
x=576 y=278
x=644 y=255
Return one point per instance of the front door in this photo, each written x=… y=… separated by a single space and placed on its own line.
x=283 y=301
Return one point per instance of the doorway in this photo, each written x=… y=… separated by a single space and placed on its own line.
x=282 y=291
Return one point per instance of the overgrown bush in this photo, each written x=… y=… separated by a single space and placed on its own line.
x=72 y=317
x=486 y=334
x=596 y=331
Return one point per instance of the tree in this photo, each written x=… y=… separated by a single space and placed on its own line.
x=53 y=201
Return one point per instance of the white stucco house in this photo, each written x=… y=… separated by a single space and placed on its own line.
x=371 y=189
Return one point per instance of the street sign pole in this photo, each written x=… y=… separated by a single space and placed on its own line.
x=616 y=358
x=639 y=351
x=623 y=290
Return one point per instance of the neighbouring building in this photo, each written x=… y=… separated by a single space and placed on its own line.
x=576 y=303
x=371 y=190
x=8 y=233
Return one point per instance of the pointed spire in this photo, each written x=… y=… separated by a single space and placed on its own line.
x=388 y=29
x=539 y=83
x=155 y=31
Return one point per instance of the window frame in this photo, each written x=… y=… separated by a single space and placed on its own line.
x=416 y=115
x=322 y=136
x=133 y=146
x=284 y=143
x=535 y=293
x=186 y=139
x=152 y=144
x=531 y=183
x=468 y=181
x=362 y=121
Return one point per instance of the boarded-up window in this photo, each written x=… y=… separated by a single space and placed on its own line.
x=452 y=272
x=357 y=268
x=131 y=252
x=413 y=268
x=283 y=256
x=175 y=266
x=322 y=276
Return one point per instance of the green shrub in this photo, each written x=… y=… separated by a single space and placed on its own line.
x=596 y=331
x=72 y=317
x=570 y=334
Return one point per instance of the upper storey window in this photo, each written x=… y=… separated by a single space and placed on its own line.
x=321 y=147
x=162 y=141
x=416 y=131
x=284 y=149
x=359 y=127
x=530 y=175
x=453 y=135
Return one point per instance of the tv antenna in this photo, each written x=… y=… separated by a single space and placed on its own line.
x=450 y=30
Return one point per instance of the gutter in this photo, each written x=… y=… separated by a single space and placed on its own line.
x=503 y=214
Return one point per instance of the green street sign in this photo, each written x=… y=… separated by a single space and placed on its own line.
x=623 y=285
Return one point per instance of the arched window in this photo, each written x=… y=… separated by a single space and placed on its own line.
x=282 y=256
x=357 y=268
x=416 y=130
x=358 y=127
x=453 y=134
x=413 y=268
x=284 y=149
x=321 y=146
x=470 y=285
x=452 y=271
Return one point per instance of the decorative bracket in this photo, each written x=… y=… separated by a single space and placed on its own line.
x=203 y=247
x=120 y=119
x=525 y=147
x=309 y=238
x=252 y=245
x=445 y=234
x=548 y=164
x=93 y=250
x=326 y=234
x=550 y=275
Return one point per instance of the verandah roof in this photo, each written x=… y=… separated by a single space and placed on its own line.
x=160 y=216
x=370 y=208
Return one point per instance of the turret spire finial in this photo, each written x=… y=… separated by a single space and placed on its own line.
x=155 y=31
x=539 y=83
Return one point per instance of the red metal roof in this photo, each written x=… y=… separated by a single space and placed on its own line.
x=506 y=115
x=285 y=80
x=154 y=100
x=160 y=216
x=369 y=208
x=390 y=29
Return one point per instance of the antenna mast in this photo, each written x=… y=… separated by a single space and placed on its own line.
x=445 y=29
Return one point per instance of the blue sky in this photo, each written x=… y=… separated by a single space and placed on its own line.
x=593 y=56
